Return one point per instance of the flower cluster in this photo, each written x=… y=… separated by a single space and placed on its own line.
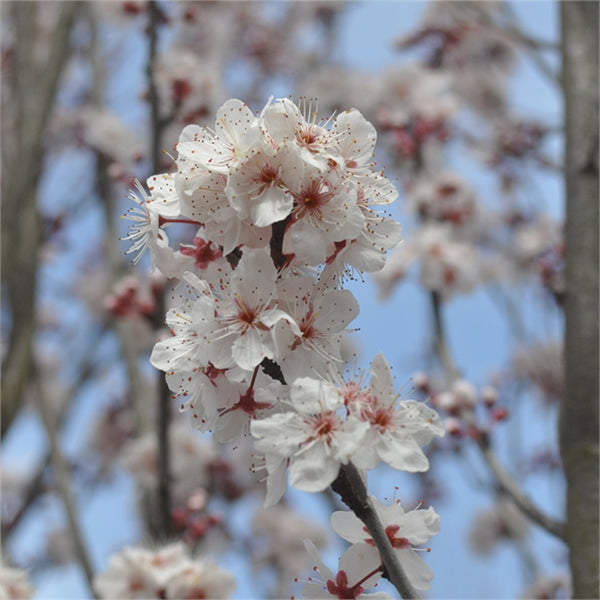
x=359 y=567
x=283 y=211
x=165 y=572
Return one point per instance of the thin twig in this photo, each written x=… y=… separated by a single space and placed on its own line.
x=503 y=479
x=532 y=45
x=63 y=485
x=35 y=484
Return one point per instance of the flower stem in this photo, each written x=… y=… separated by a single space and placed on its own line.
x=353 y=491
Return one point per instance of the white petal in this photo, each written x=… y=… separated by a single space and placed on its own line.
x=348 y=526
x=313 y=470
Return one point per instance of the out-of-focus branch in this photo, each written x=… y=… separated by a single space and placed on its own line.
x=35 y=485
x=351 y=488
x=63 y=485
x=579 y=435
x=124 y=330
x=503 y=479
x=35 y=91
x=534 y=46
x=164 y=394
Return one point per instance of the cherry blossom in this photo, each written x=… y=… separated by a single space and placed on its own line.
x=166 y=572
x=359 y=568
x=397 y=430
x=405 y=530
x=314 y=437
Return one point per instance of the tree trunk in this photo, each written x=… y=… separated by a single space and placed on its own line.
x=579 y=410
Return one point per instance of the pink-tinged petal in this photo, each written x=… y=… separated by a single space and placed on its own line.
x=422 y=422
x=219 y=350
x=306 y=242
x=281 y=119
x=366 y=456
x=355 y=137
x=272 y=316
x=279 y=434
x=230 y=426
x=237 y=126
x=378 y=188
x=276 y=481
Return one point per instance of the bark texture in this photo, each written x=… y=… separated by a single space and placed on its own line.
x=579 y=410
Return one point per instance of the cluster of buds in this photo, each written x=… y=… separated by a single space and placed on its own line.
x=468 y=413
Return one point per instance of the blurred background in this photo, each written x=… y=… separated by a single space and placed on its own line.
x=468 y=109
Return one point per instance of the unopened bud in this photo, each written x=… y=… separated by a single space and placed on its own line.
x=489 y=396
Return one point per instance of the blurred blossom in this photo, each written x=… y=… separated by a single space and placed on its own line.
x=503 y=522
x=542 y=365
x=14 y=583
x=106 y=133
x=549 y=587
x=165 y=572
x=284 y=530
x=191 y=455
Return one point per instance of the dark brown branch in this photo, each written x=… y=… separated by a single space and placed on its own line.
x=164 y=394
x=353 y=491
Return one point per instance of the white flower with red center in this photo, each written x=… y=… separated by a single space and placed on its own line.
x=311 y=342
x=256 y=399
x=257 y=188
x=236 y=133
x=314 y=437
x=200 y=392
x=285 y=123
x=367 y=252
x=405 y=530
x=325 y=211
x=359 y=569
x=448 y=265
x=166 y=572
x=354 y=138
x=240 y=333
x=397 y=430
x=187 y=348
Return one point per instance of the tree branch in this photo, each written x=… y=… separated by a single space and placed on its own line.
x=504 y=480
x=351 y=488
x=164 y=394
x=63 y=485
